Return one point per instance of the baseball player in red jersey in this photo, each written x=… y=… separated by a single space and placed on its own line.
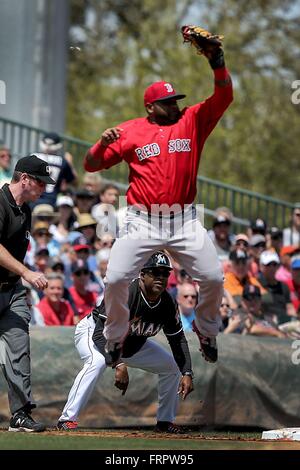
x=163 y=153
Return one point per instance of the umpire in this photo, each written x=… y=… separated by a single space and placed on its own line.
x=29 y=179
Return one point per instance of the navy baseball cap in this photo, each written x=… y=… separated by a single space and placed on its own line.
x=238 y=256
x=34 y=166
x=259 y=226
x=160 y=91
x=158 y=260
x=79 y=265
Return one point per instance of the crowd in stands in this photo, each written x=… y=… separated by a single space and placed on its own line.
x=69 y=244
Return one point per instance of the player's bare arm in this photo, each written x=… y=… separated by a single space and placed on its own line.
x=35 y=279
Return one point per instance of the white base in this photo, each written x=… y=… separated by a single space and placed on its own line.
x=292 y=434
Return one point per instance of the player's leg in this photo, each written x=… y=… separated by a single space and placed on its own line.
x=15 y=359
x=84 y=383
x=155 y=359
x=127 y=257
x=195 y=252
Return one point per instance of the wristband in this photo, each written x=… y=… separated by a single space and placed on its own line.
x=189 y=373
x=217 y=61
x=120 y=364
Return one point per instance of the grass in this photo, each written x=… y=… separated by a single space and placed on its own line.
x=131 y=440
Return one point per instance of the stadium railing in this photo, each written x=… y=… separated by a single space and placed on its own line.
x=244 y=204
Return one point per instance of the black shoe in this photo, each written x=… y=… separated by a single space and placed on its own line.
x=166 y=427
x=67 y=425
x=208 y=346
x=23 y=422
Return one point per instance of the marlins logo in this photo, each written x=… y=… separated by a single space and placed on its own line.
x=161 y=259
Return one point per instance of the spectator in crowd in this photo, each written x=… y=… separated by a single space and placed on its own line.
x=252 y=316
x=105 y=212
x=84 y=201
x=294 y=283
x=284 y=272
x=66 y=219
x=291 y=235
x=257 y=227
x=42 y=236
x=187 y=301
x=41 y=258
x=274 y=239
x=44 y=213
x=82 y=250
x=239 y=277
x=55 y=309
x=276 y=304
x=61 y=167
x=92 y=182
x=220 y=235
x=86 y=225
x=57 y=266
x=257 y=246
x=241 y=242
x=105 y=241
x=229 y=320
x=102 y=262
x=84 y=299
x=5 y=166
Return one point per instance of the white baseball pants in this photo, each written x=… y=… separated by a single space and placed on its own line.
x=152 y=358
x=188 y=243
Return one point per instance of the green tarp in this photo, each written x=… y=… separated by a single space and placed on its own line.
x=254 y=383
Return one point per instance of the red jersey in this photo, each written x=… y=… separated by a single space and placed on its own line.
x=84 y=303
x=64 y=317
x=163 y=160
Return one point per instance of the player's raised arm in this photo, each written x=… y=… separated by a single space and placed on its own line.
x=102 y=155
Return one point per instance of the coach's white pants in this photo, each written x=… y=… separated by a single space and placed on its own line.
x=189 y=245
x=152 y=358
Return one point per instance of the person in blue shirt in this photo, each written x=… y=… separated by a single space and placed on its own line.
x=187 y=301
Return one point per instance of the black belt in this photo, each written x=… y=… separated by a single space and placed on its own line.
x=6 y=286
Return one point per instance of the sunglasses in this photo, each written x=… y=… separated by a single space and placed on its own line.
x=36 y=179
x=42 y=234
x=158 y=272
x=186 y=296
x=260 y=245
x=83 y=272
x=242 y=243
x=273 y=264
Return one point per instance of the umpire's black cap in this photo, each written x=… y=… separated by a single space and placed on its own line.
x=34 y=166
x=158 y=260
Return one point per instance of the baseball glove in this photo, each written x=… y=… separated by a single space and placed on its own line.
x=205 y=42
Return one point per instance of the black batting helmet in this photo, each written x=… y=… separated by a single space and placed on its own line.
x=158 y=260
